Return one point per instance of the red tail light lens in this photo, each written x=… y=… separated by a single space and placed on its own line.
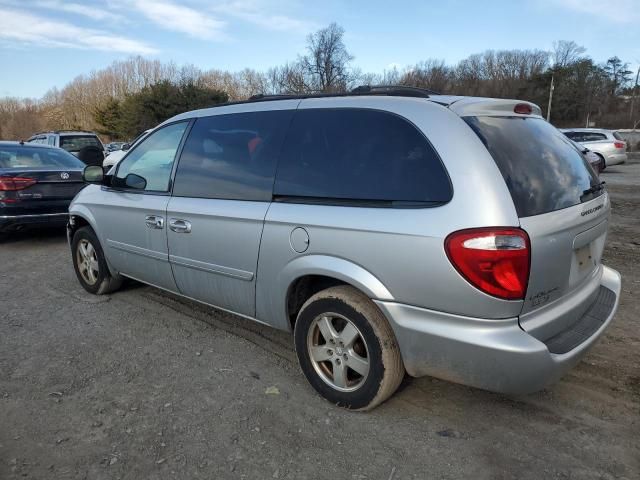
x=494 y=260
x=523 y=109
x=11 y=184
x=619 y=144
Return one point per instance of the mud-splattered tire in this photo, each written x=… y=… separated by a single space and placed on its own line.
x=90 y=265
x=347 y=349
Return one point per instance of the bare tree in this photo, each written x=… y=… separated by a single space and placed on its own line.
x=19 y=118
x=566 y=52
x=431 y=74
x=327 y=61
x=288 y=78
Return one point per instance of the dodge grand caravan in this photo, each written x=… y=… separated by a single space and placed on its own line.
x=391 y=229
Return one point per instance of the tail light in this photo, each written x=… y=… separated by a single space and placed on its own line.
x=523 y=109
x=494 y=260
x=11 y=184
x=619 y=144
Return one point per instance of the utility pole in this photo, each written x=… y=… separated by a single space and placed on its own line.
x=633 y=97
x=550 y=98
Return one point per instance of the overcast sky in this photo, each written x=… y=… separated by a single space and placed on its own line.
x=46 y=43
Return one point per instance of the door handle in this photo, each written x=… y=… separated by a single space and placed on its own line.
x=154 y=221
x=179 y=226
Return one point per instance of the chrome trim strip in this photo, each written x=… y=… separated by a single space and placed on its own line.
x=125 y=247
x=211 y=268
x=10 y=217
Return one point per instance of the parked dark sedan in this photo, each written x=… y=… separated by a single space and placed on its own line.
x=37 y=183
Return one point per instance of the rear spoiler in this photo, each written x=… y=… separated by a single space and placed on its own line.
x=495 y=107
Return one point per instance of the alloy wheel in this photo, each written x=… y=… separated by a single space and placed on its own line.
x=88 y=264
x=338 y=352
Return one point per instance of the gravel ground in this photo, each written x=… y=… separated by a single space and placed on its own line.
x=140 y=384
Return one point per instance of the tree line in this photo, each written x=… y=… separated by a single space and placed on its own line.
x=131 y=95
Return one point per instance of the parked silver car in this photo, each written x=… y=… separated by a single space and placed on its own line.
x=606 y=143
x=390 y=229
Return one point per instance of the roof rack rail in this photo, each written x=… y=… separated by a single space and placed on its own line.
x=63 y=130
x=278 y=96
x=391 y=90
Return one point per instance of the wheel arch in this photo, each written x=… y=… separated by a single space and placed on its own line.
x=80 y=216
x=603 y=157
x=305 y=276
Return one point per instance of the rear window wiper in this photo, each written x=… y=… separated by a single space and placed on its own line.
x=594 y=188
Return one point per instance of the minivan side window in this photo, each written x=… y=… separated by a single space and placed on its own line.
x=232 y=156
x=360 y=155
x=148 y=166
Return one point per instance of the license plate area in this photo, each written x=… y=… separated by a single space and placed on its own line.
x=586 y=259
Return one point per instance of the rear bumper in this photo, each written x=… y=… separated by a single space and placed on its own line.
x=494 y=355
x=10 y=223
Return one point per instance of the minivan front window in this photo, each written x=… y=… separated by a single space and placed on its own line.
x=151 y=160
x=541 y=168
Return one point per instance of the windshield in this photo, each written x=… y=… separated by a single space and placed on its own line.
x=542 y=169
x=16 y=156
x=74 y=143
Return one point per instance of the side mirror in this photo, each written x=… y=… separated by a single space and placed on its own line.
x=135 y=181
x=93 y=174
x=125 y=147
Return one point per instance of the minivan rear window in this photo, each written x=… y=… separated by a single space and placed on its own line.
x=359 y=156
x=75 y=143
x=542 y=169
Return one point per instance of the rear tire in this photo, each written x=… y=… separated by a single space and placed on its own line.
x=90 y=264
x=359 y=366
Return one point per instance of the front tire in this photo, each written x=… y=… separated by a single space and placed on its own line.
x=90 y=264
x=347 y=349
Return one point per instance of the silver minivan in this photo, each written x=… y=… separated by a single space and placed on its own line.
x=391 y=230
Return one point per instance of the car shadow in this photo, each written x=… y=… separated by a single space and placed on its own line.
x=40 y=234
